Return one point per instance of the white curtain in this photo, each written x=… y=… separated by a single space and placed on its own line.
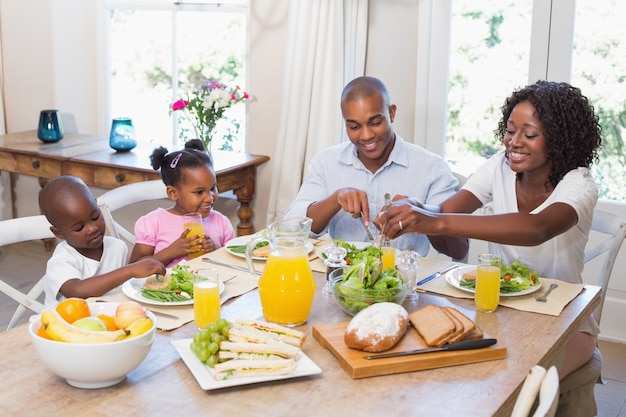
x=327 y=41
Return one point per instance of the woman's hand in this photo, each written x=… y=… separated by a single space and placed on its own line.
x=405 y=215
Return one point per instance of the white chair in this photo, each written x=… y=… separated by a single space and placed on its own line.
x=126 y=195
x=539 y=394
x=17 y=230
x=577 y=397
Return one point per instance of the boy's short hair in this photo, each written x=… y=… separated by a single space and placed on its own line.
x=57 y=192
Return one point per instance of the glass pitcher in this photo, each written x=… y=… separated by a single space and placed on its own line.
x=286 y=285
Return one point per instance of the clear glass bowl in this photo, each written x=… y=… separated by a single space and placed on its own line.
x=352 y=301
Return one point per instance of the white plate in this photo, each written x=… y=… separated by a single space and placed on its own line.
x=358 y=245
x=243 y=240
x=132 y=288
x=204 y=375
x=456 y=275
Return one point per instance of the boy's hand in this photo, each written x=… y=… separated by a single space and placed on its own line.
x=146 y=267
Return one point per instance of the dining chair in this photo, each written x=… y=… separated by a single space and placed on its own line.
x=17 y=230
x=539 y=394
x=127 y=195
x=577 y=390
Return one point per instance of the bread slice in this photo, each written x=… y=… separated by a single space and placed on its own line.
x=433 y=324
x=459 y=328
x=468 y=325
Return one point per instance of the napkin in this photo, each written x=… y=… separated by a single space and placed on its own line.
x=557 y=300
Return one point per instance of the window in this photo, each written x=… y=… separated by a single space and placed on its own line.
x=497 y=46
x=157 y=48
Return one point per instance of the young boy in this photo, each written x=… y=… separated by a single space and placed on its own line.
x=86 y=263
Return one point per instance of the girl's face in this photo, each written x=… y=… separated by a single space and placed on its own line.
x=197 y=192
x=524 y=141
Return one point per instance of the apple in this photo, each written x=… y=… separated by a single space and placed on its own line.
x=90 y=323
x=127 y=312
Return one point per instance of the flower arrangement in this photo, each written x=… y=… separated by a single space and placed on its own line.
x=205 y=105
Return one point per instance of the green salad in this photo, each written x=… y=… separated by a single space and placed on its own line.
x=355 y=255
x=513 y=278
x=354 y=293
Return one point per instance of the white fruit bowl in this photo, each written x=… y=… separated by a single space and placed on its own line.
x=97 y=365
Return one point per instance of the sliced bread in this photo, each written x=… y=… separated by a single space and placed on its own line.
x=433 y=324
x=468 y=325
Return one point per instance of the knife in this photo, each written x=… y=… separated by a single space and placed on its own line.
x=237 y=267
x=465 y=345
x=436 y=274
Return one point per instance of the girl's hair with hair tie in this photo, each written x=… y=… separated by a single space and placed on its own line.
x=171 y=164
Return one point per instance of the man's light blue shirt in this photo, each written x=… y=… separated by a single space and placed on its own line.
x=410 y=170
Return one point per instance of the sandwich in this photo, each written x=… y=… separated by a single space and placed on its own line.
x=265 y=351
x=254 y=331
x=243 y=368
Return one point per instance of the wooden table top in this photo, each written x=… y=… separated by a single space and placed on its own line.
x=163 y=385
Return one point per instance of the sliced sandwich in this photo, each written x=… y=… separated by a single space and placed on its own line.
x=240 y=350
x=255 y=331
x=242 y=368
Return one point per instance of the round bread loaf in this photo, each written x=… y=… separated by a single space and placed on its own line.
x=377 y=328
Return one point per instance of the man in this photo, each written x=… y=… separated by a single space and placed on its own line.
x=346 y=183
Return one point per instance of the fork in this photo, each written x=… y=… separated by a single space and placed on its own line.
x=543 y=297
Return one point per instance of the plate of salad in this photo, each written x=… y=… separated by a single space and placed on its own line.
x=179 y=290
x=515 y=279
x=237 y=247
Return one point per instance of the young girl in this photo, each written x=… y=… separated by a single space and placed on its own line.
x=190 y=182
x=542 y=193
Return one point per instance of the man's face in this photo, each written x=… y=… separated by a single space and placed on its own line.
x=368 y=125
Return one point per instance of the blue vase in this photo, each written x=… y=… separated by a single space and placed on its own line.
x=50 y=127
x=122 y=137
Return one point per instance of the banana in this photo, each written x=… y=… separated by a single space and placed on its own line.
x=139 y=327
x=58 y=329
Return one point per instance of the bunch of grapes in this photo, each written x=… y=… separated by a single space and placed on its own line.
x=206 y=342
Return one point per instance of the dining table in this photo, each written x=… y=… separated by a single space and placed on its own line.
x=163 y=384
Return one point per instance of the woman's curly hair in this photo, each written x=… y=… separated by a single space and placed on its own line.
x=571 y=128
x=172 y=164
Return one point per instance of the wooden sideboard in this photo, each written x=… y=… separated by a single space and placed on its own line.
x=91 y=158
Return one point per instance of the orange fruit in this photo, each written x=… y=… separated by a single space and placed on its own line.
x=42 y=333
x=109 y=321
x=72 y=309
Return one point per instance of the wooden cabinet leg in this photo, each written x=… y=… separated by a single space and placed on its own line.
x=48 y=243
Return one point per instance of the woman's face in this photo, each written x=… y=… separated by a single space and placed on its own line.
x=524 y=140
x=197 y=193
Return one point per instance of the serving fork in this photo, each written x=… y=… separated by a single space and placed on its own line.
x=543 y=297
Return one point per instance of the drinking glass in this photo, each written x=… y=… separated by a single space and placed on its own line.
x=206 y=297
x=487 y=294
x=407 y=267
x=388 y=247
x=193 y=221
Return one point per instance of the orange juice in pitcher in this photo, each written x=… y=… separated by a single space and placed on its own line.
x=286 y=285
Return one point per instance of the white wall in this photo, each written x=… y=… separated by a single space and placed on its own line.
x=50 y=60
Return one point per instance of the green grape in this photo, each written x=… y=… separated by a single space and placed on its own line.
x=213 y=347
x=212 y=360
x=221 y=323
x=203 y=355
x=212 y=328
x=216 y=338
x=225 y=331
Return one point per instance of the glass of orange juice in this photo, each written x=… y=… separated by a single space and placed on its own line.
x=487 y=295
x=206 y=297
x=193 y=221
x=388 y=248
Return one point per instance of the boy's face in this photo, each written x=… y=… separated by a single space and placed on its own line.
x=80 y=222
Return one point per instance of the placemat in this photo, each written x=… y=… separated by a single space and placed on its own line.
x=557 y=299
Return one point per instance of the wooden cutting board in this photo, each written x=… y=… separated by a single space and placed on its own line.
x=352 y=361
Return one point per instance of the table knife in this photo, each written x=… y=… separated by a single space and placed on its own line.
x=237 y=267
x=436 y=274
x=465 y=345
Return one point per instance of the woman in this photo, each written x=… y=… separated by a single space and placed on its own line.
x=542 y=194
